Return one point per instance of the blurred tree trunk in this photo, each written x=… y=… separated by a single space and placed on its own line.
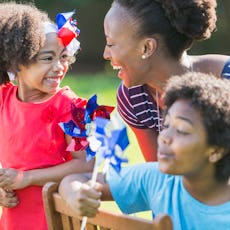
x=226 y=7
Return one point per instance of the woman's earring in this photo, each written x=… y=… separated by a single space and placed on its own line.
x=215 y=157
x=143 y=56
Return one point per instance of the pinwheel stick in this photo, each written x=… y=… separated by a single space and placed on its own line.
x=117 y=141
x=83 y=223
x=93 y=182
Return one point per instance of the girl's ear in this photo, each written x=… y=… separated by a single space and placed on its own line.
x=149 y=47
x=217 y=154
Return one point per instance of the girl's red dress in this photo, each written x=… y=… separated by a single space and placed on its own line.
x=32 y=139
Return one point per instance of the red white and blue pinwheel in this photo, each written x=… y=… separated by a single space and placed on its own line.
x=109 y=140
x=80 y=126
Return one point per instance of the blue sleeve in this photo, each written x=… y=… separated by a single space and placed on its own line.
x=135 y=186
x=226 y=70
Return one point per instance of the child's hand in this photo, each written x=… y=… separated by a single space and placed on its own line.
x=8 y=199
x=85 y=200
x=12 y=179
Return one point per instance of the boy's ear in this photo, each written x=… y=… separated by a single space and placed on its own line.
x=149 y=47
x=217 y=154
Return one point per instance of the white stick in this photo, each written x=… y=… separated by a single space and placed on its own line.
x=94 y=179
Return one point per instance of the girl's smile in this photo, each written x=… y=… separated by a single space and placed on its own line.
x=42 y=78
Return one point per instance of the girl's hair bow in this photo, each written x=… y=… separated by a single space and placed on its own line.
x=68 y=31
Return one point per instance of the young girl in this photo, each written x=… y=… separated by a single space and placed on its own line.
x=32 y=145
x=147 y=42
x=190 y=180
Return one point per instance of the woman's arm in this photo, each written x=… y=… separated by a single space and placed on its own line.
x=76 y=190
x=147 y=139
x=209 y=63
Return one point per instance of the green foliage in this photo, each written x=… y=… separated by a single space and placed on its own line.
x=219 y=41
x=86 y=85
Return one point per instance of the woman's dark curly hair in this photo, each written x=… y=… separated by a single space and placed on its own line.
x=21 y=35
x=179 y=22
x=211 y=97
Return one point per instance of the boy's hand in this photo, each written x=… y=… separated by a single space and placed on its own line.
x=85 y=200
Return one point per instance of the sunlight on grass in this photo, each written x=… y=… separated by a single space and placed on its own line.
x=105 y=86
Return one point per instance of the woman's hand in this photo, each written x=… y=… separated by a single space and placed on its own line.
x=8 y=199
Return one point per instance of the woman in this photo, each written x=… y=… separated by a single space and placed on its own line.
x=147 y=41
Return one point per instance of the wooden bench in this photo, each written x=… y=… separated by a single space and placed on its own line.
x=60 y=217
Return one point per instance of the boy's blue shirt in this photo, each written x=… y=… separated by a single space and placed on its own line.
x=143 y=187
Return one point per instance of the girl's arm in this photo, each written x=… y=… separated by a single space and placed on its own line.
x=15 y=179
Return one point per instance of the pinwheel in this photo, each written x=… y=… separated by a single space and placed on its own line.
x=109 y=140
x=80 y=125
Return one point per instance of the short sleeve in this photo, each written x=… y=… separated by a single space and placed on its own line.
x=5 y=90
x=137 y=107
x=135 y=186
x=226 y=70
x=125 y=108
x=69 y=97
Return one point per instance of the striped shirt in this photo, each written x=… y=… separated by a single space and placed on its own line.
x=137 y=107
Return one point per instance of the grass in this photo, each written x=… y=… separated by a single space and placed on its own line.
x=105 y=86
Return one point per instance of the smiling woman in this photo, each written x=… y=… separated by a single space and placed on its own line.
x=147 y=41
x=32 y=145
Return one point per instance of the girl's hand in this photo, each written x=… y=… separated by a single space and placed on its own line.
x=12 y=179
x=8 y=199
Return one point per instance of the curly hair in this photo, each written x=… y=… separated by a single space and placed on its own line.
x=178 y=22
x=210 y=96
x=21 y=35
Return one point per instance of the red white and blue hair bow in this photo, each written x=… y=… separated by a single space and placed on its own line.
x=67 y=31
